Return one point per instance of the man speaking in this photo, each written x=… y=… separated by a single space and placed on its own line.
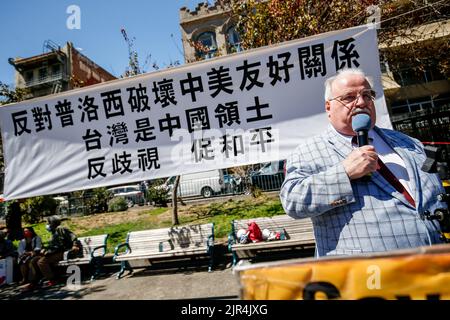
x=365 y=190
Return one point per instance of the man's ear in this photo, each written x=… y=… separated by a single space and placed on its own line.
x=327 y=106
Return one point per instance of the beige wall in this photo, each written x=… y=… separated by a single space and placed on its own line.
x=214 y=18
x=75 y=70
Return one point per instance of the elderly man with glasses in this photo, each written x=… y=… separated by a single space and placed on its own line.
x=356 y=205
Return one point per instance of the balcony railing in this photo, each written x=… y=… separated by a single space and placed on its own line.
x=46 y=79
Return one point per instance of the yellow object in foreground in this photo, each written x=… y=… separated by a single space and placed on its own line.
x=418 y=274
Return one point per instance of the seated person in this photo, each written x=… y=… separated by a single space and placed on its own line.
x=62 y=240
x=29 y=252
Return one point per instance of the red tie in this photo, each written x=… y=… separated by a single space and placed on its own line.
x=392 y=179
x=389 y=176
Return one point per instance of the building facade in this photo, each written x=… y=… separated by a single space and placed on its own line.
x=418 y=103
x=208 y=31
x=57 y=70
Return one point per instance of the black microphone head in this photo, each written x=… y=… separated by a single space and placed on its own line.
x=361 y=122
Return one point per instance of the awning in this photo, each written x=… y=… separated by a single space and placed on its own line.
x=389 y=82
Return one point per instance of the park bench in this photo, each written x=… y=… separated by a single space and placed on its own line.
x=167 y=243
x=299 y=235
x=94 y=249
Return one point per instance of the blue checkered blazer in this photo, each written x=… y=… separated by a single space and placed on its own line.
x=352 y=217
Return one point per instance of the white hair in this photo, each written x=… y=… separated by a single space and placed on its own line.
x=341 y=73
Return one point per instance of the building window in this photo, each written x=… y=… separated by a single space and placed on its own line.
x=234 y=41
x=408 y=76
x=29 y=76
x=433 y=74
x=208 y=45
x=42 y=73
x=56 y=69
x=411 y=105
x=442 y=101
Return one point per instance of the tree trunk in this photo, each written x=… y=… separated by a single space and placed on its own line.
x=175 y=202
x=13 y=221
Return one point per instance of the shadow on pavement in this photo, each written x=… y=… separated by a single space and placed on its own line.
x=57 y=292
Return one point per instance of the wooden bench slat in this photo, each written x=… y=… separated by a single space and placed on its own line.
x=187 y=240
x=156 y=254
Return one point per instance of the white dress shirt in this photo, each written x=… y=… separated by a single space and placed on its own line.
x=390 y=158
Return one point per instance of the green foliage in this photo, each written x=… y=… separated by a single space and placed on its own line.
x=118 y=232
x=40 y=230
x=221 y=214
x=117 y=204
x=97 y=202
x=10 y=95
x=158 y=196
x=133 y=68
x=261 y=23
x=38 y=207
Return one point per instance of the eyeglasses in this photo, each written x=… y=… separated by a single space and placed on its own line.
x=368 y=95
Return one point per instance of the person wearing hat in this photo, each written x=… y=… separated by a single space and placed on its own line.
x=62 y=240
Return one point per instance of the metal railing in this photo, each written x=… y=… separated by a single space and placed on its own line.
x=46 y=79
x=230 y=185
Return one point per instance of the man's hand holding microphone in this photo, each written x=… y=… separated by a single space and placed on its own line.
x=362 y=161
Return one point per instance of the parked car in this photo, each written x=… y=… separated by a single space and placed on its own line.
x=132 y=193
x=63 y=205
x=270 y=176
x=205 y=184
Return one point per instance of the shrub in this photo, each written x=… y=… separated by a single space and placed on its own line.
x=97 y=201
x=117 y=204
x=38 y=207
x=159 y=196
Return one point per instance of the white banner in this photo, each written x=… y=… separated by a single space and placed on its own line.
x=246 y=108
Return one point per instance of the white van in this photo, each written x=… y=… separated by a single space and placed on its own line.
x=132 y=194
x=204 y=184
x=63 y=205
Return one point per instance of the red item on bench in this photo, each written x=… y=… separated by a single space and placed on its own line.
x=255 y=234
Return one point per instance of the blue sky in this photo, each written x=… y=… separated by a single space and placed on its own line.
x=26 y=25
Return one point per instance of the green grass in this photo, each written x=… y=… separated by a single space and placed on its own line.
x=224 y=213
x=117 y=233
x=221 y=214
x=41 y=231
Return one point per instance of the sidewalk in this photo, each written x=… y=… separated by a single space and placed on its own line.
x=189 y=282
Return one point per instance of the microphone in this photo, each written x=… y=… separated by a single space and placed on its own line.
x=361 y=125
